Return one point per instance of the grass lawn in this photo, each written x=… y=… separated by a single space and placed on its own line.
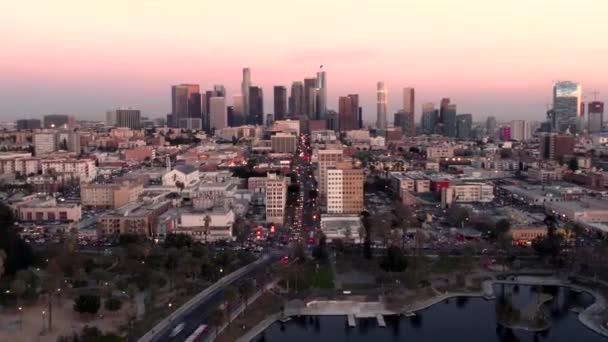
x=322 y=277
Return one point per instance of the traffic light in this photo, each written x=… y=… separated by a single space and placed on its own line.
x=258 y=233
x=272 y=228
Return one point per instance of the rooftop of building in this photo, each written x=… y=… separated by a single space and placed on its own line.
x=186 y=169
x=584 y=204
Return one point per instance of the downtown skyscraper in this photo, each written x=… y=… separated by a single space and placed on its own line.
x=409 y=127
x=429 y=118
x=348 y=112
x=310 y=97
x=566 y=113
x=280 y=102
x=185 y=104
x=595 y=116
x=256 y=106
x=321 y=105
x=382 y=105
x=245 y=85
x=464 y=126
x=447 y=118
x=296 y=100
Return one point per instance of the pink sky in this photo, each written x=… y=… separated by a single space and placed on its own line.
x=491 y=57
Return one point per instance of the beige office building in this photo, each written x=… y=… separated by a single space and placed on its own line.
x=283 y=143
x=110 y=196
x=326 y=159
x=44 y=143
x=276 y=198
x=344 y=189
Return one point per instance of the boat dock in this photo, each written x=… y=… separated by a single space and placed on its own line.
x=381 y=321
x=351 y=321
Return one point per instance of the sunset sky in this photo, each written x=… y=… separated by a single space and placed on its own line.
x=491 y=57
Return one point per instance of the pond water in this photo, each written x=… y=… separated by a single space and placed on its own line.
x=456 y=319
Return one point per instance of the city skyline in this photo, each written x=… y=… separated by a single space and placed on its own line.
x=83 y=66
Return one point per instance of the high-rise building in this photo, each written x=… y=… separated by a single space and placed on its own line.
x=185 y=103
x=68 y=141
x=348 y=110
x=382 y=105
x=429 y=118
x=59 y=121
x=448 y=115
x=44 y=143
x=276 y=198
x=218 y=115
x=404 y=120
x=256 y=106
x=344 y=189
x=505 y=133
x=219 y=90
x=491 y=126
x=520 y=130
x=464 y=125
x=409 y=107
x=238 y=112
x=296 y=100
x=245 y=85
x=566 y=106
x=553 y=145
x=321 y=95
x=310 y=100
x=280 y=102
x=28 y=124
x=595 y=116
x=326 y=159
x=125 y=117
x=445 y=102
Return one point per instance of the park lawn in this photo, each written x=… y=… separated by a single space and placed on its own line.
x=322 y=277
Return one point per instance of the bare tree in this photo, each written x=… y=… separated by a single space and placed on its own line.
x=207 y=222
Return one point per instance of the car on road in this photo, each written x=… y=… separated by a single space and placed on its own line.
x=178 y=329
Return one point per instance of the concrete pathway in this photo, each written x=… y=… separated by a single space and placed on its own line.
x=140 y=305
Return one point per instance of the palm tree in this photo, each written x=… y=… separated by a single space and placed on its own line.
x=230 y=295
x=52 y=285
x=207 y=222
x=216 y=320
x=246 y=288
x=575 y=230
x=2 y=259
x=18 y=287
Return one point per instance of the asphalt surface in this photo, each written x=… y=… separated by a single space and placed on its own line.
x=200 y=314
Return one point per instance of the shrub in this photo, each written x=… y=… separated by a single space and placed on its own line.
x=87 y=304
x=113 y=304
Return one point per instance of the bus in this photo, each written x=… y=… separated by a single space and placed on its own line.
x=197 y=334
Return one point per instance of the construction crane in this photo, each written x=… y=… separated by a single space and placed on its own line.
x=595 y=93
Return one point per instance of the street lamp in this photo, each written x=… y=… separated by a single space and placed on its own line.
x=170 y=305
x=43 y=319
x=20 y=317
